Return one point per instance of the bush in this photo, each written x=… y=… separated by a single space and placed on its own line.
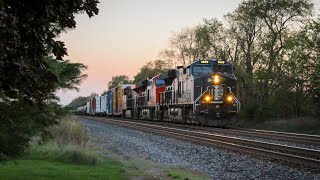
x=69 y=131
x=68 y=143
x=64 y=153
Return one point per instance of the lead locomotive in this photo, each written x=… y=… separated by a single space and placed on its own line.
x=203 y=92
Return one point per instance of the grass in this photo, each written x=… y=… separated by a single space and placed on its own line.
x=69 y=131
x=44 y=169
x=64 y=153
x=68 y=155
x=180 y=174
x=305 y=125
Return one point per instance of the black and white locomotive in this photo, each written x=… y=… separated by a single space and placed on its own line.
x=203 y=92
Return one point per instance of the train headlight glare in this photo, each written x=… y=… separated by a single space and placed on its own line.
x=229 y=98
x=207 y=98
x=216 y=79
x=209 y=80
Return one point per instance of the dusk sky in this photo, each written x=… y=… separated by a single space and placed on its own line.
x=126 y=34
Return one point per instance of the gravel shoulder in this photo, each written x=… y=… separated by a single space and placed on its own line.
x=152 y=156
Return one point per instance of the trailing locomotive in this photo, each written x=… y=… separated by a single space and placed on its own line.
x=202 y=93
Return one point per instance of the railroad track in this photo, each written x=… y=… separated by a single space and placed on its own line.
x=305 y=139
x=282 y=136
x=296 y=155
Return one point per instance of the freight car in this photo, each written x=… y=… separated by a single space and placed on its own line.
x=203 y=92
x=81 y=110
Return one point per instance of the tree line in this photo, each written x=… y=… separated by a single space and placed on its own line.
x=274 y=46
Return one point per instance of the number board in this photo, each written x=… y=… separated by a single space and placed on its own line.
x=204 y=62
x=220 y=62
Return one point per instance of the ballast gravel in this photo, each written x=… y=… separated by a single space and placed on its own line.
x=217 y=163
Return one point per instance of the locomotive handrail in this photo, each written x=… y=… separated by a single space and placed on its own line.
x=235 y=98
x=194 y=102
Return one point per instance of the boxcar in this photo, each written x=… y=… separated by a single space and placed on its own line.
x=118 y=102
x=109 y=107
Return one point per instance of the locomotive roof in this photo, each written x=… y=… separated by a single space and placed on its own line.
x=208 y=62
x=142 y=84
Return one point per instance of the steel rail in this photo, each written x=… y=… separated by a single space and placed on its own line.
x=296 y=155
x=306 y=139
x=293 y=137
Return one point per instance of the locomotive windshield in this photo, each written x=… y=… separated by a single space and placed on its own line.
x=160 y=82
x=225 y=68
x=201 y=69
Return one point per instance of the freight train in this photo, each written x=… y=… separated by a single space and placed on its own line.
x=203 y=92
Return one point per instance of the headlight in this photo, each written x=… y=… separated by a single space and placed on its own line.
x=216 y=79
x=207 y=98
x=229 y=98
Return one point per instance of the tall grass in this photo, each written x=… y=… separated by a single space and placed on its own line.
x=69 y=132
x=69 y=144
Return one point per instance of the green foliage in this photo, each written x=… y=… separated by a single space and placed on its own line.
x=29 y=76
x=69 y=132
x=44 y=169
x=274 y=46
x=68 y=143
x=116 y=80
x=183 y=174
x=20 y=121
x=68 y=74
x=64 y=153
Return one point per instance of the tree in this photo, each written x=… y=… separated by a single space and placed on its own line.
x=246 y=29
x=117 y=80
x=277 y=16
x=184 y=46
x=151 y=69
x=274 y=46
x=213 y=34
x=28 y=76
x=169 y=57
x=303 y=68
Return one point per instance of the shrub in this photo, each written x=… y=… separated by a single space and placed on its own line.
x=69 y=131
x=68 y=143
x=64 y=153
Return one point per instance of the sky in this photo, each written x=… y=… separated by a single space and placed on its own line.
x=128 y=33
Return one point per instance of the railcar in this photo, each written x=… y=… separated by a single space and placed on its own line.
x=109 y=103
x=92 y=106
x=103 y=105
x=88 y=107
x=119 y=99
x=143 y=99
x=98 y=105
x=81 y=110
